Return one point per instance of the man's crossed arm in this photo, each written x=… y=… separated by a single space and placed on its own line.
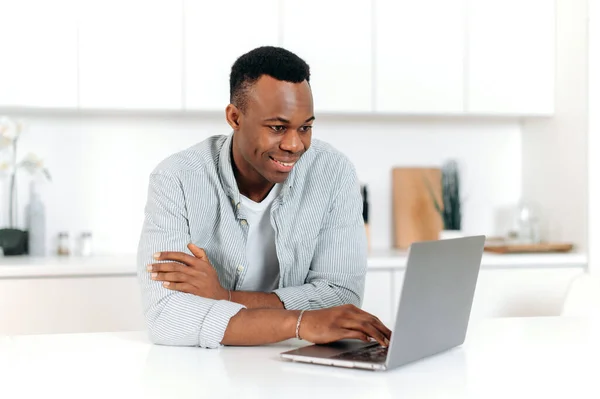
x=264 y=319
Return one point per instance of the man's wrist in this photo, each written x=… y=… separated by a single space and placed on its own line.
x=289 y=325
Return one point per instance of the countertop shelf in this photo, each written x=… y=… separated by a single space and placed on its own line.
x=381 y=260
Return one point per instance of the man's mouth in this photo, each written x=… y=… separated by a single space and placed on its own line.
x=288 y=164
x=283 y=166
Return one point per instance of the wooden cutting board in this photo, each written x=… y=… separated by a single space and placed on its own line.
x=528 y=248
x=414 y=215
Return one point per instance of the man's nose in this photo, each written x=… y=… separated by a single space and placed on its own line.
x=291 y=142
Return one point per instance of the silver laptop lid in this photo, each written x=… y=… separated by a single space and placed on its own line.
x=436 y=299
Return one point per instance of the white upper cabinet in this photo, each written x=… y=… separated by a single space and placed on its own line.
x=419 y=56
x=38 y=42
x=335 y=39
x=511 y=57
x=216 y=34
x=130 y=54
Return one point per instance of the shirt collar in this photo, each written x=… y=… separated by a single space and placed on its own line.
x=228 y=178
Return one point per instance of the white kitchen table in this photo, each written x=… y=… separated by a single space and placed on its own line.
x=502 y=358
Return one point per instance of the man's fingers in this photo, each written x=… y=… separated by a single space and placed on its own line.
x=181 y=257
x=349 y=334
x=366 y=327
x=174 y=277
x=381 y=327
x=169 y=267
x=197 y=251
x=376 y=322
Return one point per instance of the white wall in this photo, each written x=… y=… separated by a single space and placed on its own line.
x=593 y=137
x=100 y=165
x=554 y=150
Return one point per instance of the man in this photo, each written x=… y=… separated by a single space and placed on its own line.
x=257 y=237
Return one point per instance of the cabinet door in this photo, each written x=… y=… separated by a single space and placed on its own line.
x=510 y=292
x=130 y=54
x=522 y=293
x=419 y=56
x=511 y=56
x=335 y=40
x=38 y=40
x=216 y=34
x=32 y=306
x=378 y=295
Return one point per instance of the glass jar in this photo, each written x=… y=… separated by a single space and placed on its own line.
x=64 y=247
x=528 y=223
x=85 y=244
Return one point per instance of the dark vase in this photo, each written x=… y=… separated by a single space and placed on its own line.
x=14 y=242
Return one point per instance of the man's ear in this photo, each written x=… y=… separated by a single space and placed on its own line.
x=233 y=115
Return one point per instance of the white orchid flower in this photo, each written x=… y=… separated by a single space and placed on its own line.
x=9 y=129
x=34 y=164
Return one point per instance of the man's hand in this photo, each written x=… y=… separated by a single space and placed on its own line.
x=193 y=274
x=342 y=322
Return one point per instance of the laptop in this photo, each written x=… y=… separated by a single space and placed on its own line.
x=433 y=313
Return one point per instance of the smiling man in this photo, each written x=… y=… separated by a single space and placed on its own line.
x=257 y=237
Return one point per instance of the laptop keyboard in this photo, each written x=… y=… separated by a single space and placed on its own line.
x=371 y=354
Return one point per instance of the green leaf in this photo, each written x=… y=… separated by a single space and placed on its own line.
x=432 y=194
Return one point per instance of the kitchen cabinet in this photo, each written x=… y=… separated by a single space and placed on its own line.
x=511 y=57
x=102 y=293
x=130 y=54
x=38 y=40
x=216 y=34
x=429 y=57
x=338 y=48
x=378 y=295
x=70 y=304
x=512 y=292
x=419 y=56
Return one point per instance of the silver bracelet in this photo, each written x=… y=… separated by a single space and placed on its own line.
x=298 y=324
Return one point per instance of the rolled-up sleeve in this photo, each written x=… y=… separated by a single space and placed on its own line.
x=175 y=318
x=339 y=265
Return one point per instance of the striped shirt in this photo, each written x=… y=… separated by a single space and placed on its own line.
x=319 y=236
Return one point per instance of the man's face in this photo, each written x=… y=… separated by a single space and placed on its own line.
x=275 y=128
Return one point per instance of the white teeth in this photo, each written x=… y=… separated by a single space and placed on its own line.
x=284 y=163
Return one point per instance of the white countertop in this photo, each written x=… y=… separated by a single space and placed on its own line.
x=501 y=358
x=57 y=266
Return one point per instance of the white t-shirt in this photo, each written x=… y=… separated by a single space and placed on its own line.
x=262 y=272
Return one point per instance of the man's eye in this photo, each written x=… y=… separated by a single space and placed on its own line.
x=305 y=128
x=278 y=128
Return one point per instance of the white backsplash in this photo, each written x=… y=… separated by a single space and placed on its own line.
x=100 y=166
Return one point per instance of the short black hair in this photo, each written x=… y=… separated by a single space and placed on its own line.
x=276 y=62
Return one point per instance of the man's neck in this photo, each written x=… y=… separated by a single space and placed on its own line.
x=250 y=183
x=252 y=190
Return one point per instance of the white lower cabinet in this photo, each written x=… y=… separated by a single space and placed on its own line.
x=113 y=303
x=378 y=295
x=511 y=292
x=69 y=305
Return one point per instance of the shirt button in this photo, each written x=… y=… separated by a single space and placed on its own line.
x=244 y=222
x=240 y=269
x=238 y=205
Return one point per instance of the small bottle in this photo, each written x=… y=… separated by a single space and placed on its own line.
x=36 y=222
x=63 y=243
x=85 y=244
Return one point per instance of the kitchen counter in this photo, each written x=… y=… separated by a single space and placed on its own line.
x=552 y=357
x=113 y=265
